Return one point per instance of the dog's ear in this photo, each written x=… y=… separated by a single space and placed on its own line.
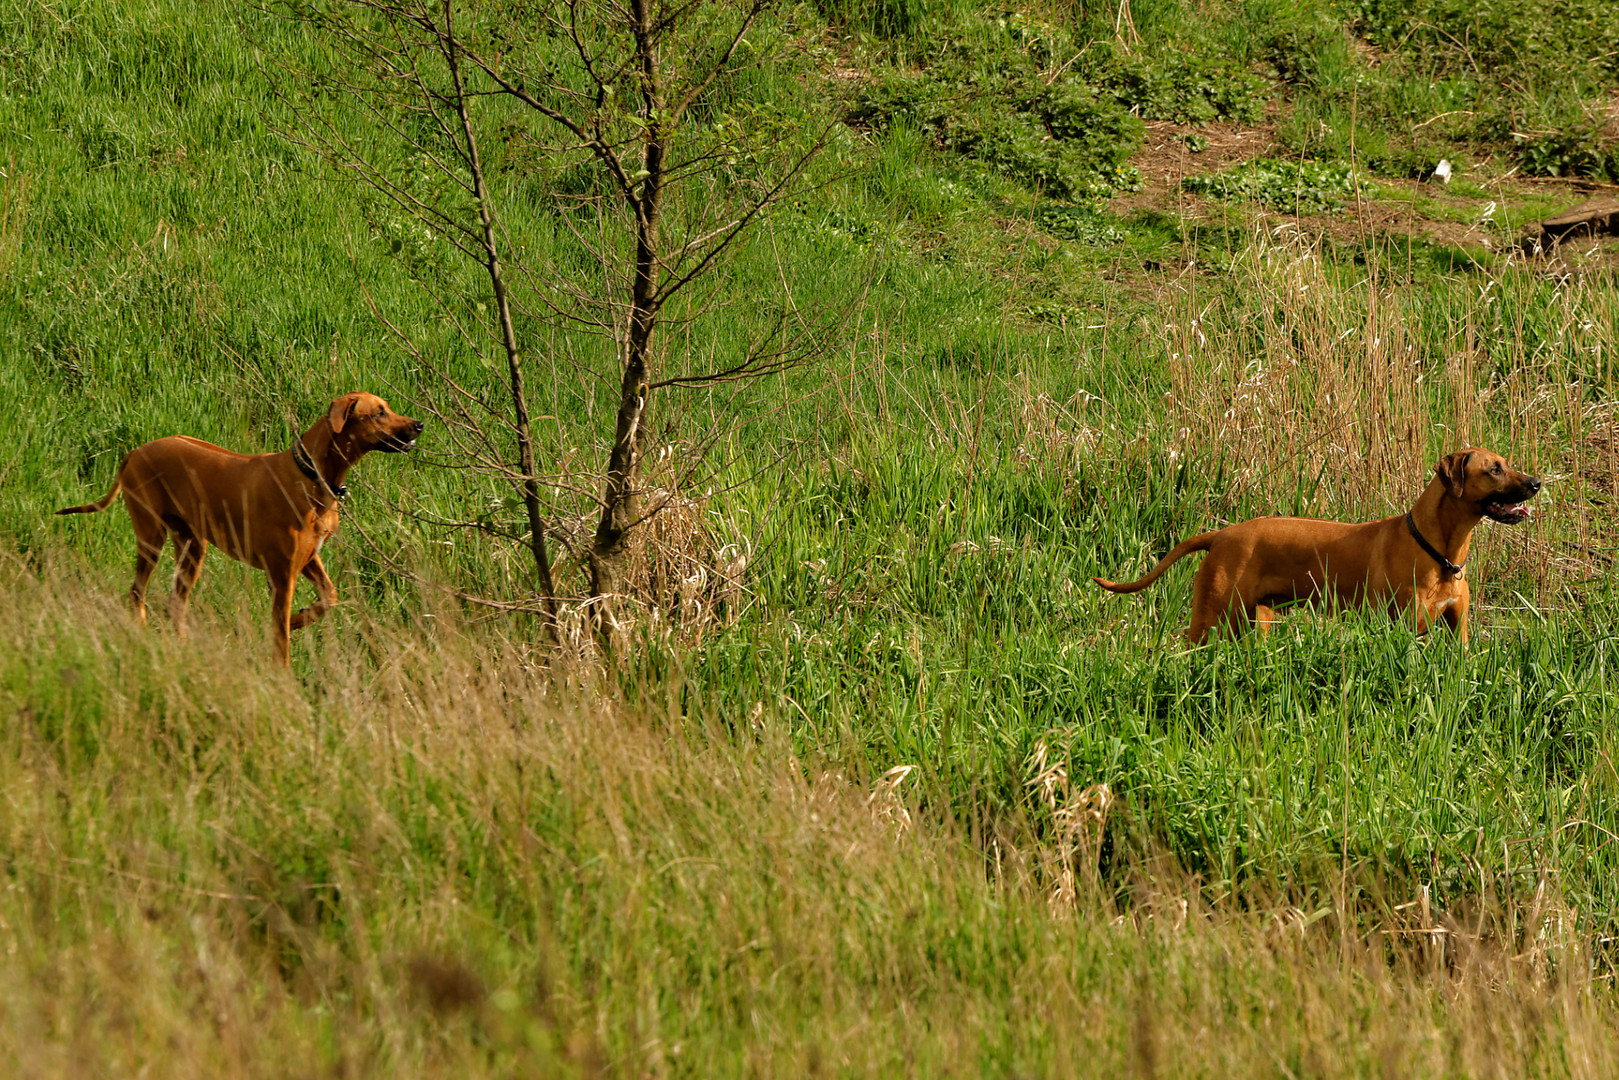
x=1453 y=471
x=342 y=410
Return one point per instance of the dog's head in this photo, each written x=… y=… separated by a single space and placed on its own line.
x=1487 y=485
x=363 y=422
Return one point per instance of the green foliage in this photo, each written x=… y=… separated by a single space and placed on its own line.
x=1574 y=151
x=1409 y=162
x=1031 y=103
x=1308 y=52
x=421 y=856
x=1397 y=86
x=885 y=18
x=1064 y=139
x=1183 y=86
x=1540 y=39
x=1082 y=224
x=1290 y=187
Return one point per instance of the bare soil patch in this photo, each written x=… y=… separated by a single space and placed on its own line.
x=1166 y=158
x=1425 y=211
x=1166 y=155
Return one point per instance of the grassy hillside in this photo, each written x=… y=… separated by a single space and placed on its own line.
x=917 y=794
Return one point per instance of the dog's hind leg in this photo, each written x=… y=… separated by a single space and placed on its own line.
x=150 y=534
x=189 y=550
x=1239 y=617
x=1212 y=602
x=325 y=590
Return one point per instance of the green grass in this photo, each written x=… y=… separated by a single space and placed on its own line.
x=423 y=851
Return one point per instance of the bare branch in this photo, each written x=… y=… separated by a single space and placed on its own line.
x=760 y=206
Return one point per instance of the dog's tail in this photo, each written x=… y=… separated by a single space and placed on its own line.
x=101 y=503
x=1182 y=549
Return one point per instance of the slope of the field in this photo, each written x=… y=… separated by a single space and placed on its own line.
x=917 y=795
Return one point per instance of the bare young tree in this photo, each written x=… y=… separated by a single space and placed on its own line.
x=612 y=103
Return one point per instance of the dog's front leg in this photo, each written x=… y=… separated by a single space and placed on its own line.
x=282 y=582
x=325 y=590
x=1455 y=612
x=1427 y=612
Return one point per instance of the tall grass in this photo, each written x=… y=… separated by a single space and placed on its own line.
x=424 y=855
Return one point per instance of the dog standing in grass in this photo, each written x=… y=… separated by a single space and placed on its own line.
x=1412 y=562
x=272 y=511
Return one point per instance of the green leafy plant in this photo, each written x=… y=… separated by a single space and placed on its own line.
x=1548 y=37
x=1410 y=162
x=1063 y=139
x=1570 y=152
x=1182 y=87
x=1050 y=111
x=1291 y=187
x=1082 y=224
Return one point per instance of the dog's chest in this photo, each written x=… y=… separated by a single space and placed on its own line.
x=323 y=524
x=1444 y=596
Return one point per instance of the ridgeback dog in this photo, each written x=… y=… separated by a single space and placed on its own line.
x=1411 y=562
x=272 y=511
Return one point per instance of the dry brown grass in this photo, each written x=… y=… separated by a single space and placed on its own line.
x=680 y=567
x=685 y=565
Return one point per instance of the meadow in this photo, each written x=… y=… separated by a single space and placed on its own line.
x=911 y=796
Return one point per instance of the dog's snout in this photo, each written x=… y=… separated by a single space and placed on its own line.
x=417 y=426
x=1532 y=483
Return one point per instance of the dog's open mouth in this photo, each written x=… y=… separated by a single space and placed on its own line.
x=395 y=445
x=1506 y=511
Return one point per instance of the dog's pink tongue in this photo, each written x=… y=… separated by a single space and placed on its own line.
x=1520 y=512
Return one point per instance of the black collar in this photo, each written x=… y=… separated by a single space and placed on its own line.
x=1448 y=568
x=306 y=465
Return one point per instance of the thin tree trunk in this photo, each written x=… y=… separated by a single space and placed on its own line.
x=621 y=499
x=508 y=335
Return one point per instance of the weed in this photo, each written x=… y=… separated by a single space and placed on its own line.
x=1078 y=223
x=886 y=18
x=1182 y=86
x=424 y=856
x=1543 y=40
x=1063 y=139
x=1573 y=151
x=1411 y=162
x=1289 y=187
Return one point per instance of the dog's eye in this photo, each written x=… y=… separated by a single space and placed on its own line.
x=1497 y=467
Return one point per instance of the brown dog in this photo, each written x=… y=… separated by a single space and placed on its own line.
x=1411 y=562
x=271 y=511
